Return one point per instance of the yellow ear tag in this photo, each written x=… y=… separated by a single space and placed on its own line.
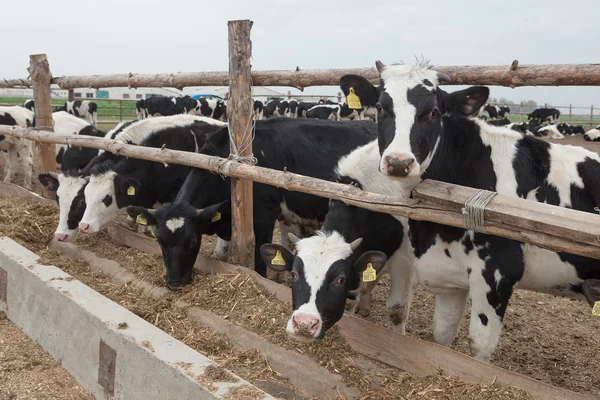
x=596 y=309
x=353 y=100
x=369 y=274
x=216 y=217
x=130 y=191
x=278 y=260
x=141 y=220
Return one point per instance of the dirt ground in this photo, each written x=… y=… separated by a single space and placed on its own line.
x=27 y=372
x=550 y=339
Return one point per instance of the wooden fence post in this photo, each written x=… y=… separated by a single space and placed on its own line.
x=239 y=113
x=521 y=112
x=39 y=70
x=289 y=95
x=71 y=95
x=570 y=112
x=121 y=110
x=592 y=116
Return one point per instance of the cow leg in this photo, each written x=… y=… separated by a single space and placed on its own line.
x=402 y=285
x=449 y=309
x=222 y=249
x=26 y=153
x=486 y=320
x=12 y=162
x=263 y=233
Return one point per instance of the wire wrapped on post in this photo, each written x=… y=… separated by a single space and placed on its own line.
x=474 y=210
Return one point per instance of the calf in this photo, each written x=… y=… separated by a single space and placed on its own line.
x=303 y=107
x=305 y=147
x=330 y=266
x=272 y=108
x=85 y=109
x=29 y=104
x=565 y=129
x=17 y=148
x=550 y=131
x=550 y=115
x=324 y=111
x=258 y=109
x=212 y=108
x=141 y=111
x=130 y=181
x=425 y=133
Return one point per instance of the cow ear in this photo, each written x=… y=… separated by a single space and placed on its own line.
x=374 y=260
x=50 y=182
x=215 y=212
x=470 y=100
x=276 y=257
x=141 y=215
x=366 y=92
x=130 y=186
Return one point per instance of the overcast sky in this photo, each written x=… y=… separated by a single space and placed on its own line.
x=151 y=36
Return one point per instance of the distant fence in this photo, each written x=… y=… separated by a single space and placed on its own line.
x=577 y=115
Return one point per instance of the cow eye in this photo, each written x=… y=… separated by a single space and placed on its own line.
x=294 y=276
x=340 y=280
x=433 y=114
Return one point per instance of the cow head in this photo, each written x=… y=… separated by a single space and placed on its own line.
x=71 y=201
x=179 y=230
x=410 y=107
x=323 y=270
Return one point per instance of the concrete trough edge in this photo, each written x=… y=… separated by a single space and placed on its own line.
x=110 y=351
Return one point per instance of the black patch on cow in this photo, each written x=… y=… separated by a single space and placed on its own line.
x=76 y=210
x=484 y=319
x=447 y=253
x=469 y=271
x=107 y=200
x=427 y=82
x=349 y=181
x=532 y=166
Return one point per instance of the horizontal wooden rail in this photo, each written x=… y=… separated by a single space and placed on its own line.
x=514 y=75
x=551 y=227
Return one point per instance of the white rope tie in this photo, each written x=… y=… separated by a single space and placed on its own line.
x=474 y=209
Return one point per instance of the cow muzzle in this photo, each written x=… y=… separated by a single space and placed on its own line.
x=398 y=165
x=304 y=327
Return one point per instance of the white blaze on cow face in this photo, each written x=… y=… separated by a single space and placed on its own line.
x=174 y=223
x=71 y=203
x=101 y=206
x=404 y=106
x=317 y=254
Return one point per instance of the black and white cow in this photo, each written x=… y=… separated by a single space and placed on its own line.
x=577 y=130
x=541 y=115
x=211 y=108
x=550 y=131
x=292 y=109
x=67 y=124
x=324 y=111
x=520 y=127
x=258 y=110
x=29 y=104
x=271 y=108
x=303 y=108
x=328 y=267
x=349 y=113
x=141 y=111
x=593 y=135
x=85 y=109
x=160 y=106
x=426 y=133
x=17 y=148
x=565 y=129
x=493 y=111
x=202 y=206
x=504 y=111
x=130 y=181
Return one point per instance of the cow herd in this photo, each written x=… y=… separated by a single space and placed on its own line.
x=335 y=253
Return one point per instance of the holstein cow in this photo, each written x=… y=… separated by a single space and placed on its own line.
x=504 y=111
x=550 y=131
x=577 y=129
x=593 y=135
x=212 y=108
x=71 y=182
x=141 y=111
x=565 y=129
x=160 y=106
x=519 y=127
x=292 y=109
x=17 y=148
x=130 y=181
x=367 y=112
x=425 y=132
x=330 y=266
x=29 y=104
x=493 y=111
x=499 y=122
x=258 y=110
x=271 y=108
x=324 y=111
x=202 y=206
x=85 y=109
x=303 y=107
x=541 y=115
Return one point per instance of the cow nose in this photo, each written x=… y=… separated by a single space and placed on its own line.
x=85 y=228
x=305 y=325
x=398 y=166
x=61 y=237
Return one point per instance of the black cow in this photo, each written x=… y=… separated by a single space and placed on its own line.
x=161 y=106
x=354 y=238
x=541 y=115
x=202 y=206
x=577 y=130
x=499 y=122
x=504 y=111
x=271 y=108
x=292 y=109
x=565 y=129
x=76 y=158
x=444 y=144
x=141 y=111
x=283 y=108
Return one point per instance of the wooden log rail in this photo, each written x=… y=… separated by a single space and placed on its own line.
x=551 y=227
x=514 y=75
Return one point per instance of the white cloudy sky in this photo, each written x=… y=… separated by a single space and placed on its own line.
x=149 y=36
